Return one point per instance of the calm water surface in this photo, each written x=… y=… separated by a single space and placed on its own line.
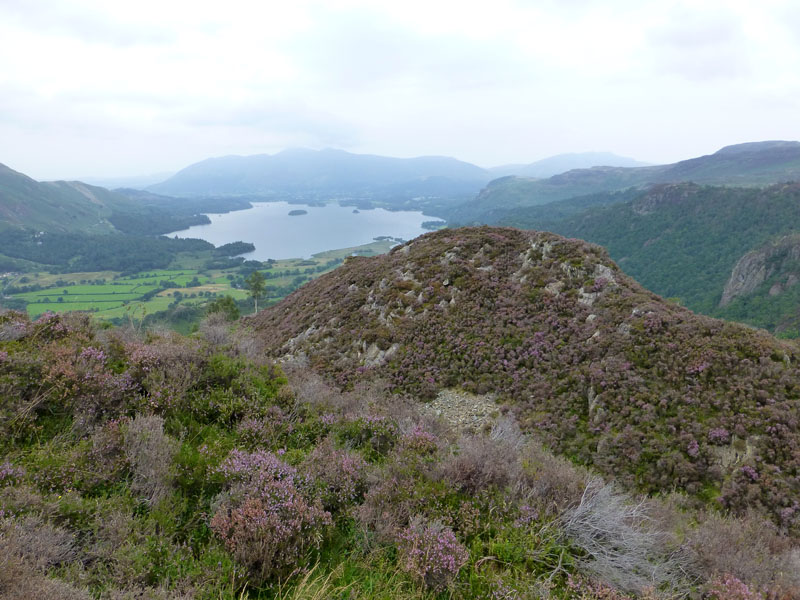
x=277 y=235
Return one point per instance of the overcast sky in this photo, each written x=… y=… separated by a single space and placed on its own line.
x=102 y=88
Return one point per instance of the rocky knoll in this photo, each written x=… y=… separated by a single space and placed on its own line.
x=777 y=260
x=602 y=370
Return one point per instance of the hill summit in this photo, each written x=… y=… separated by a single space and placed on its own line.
x=601 y=369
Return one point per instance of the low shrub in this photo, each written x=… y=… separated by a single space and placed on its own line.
x=479 y=463
x=748 y=549
x=375 y=434
x=430 y=554
x=264 y=520
x=150 y=453
x=40 y=544
x=337 y=477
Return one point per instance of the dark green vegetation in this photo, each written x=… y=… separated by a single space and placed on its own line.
x=606 y=372
x=683 y=241
x=71 y=252
x=754 y=164
x=176 y=297
x=151 y=214
x=179 y=468
x=70 y=226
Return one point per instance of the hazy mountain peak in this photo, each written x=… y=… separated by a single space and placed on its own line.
x=758 y=146
x=561 y=163
x=327 y=173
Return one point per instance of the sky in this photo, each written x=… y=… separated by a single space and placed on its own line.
x=107 y=89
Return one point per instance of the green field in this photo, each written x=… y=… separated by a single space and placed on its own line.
x=112 y=296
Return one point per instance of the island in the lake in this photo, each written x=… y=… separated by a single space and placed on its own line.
x=433 y=225
x=297 y=212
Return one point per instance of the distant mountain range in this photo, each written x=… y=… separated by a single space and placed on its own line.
x=326 y=173
x=336 y=173
x=553 y=165
x=751 y=164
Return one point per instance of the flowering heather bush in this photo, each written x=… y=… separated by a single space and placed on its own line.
x=603 y=370
x=431 y=554
x=150 y=453
x=420 y=440
x=729 y=587
x=265 y=521
x=165 y=369
x=13 y=325
x=9 y=474
x=337 y=477
x=252 y=469
x=586 y=589
x=404 y=487
x=255 y=432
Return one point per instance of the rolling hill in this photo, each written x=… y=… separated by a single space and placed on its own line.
x=55 y=206
x=750 y=164
x=326 y=173
x=603 y=370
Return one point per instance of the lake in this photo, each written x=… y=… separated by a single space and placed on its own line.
x=278 y=235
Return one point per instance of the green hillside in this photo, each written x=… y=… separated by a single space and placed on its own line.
x=682 y=241
x=753 y=164
x=58 y=206
x=75 y=207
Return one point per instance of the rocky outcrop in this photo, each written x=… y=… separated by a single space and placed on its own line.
x=582 y=356
x=777 y=260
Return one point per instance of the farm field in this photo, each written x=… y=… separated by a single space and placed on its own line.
x=112 y=296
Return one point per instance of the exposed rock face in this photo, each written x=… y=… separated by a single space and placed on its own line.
x=756 y=267
x=663 y=195
x=597 y=367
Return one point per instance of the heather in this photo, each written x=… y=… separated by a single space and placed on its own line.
x=151 y=465
x=602 y=370
x=683 y=241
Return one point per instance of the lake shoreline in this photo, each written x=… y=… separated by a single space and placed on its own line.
x=277 y=233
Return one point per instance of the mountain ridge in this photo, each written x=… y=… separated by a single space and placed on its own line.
x=303 y=171
x=750 y=164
